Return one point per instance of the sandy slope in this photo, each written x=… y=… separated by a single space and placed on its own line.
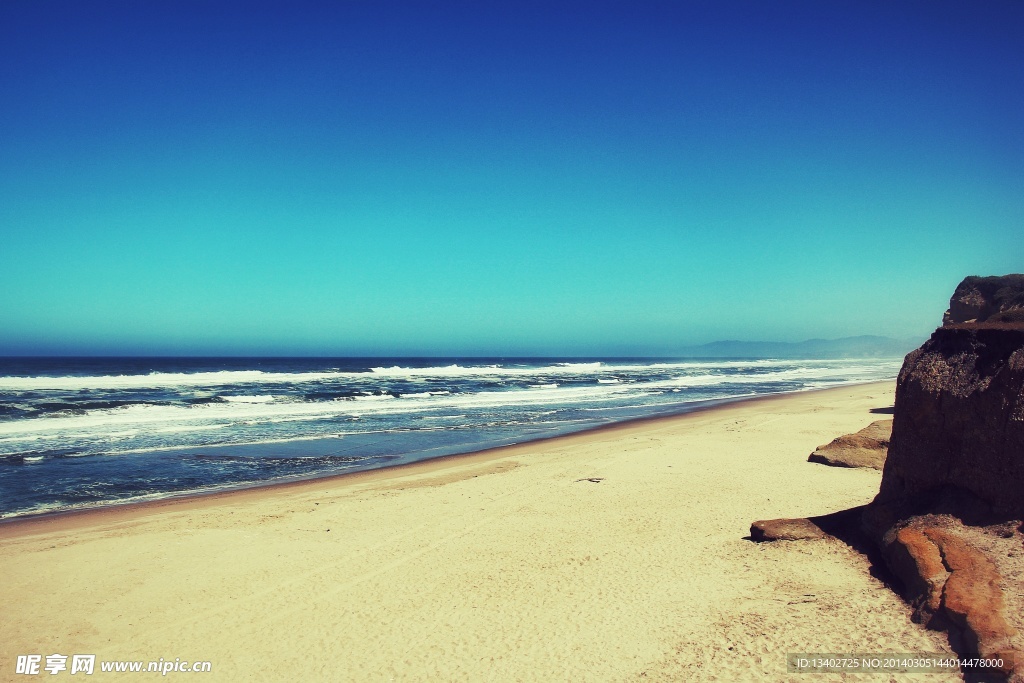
x=500 y=566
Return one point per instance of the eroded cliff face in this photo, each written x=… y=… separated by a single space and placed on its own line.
x=947 y=520
x=959 y=419
x=948 y=514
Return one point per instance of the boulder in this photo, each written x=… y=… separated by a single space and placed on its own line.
x=866 y=448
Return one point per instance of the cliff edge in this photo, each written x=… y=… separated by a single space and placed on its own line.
x=993 y=301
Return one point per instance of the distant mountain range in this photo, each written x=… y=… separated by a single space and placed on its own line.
x=865 y=346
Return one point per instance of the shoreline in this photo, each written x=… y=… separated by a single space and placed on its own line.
x=613 y=554
x=426 y=465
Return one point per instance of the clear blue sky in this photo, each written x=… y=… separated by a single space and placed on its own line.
x=499 y=178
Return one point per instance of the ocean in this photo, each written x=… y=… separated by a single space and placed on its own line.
x=83 y=432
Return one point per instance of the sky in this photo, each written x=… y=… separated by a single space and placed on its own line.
x=499 y=178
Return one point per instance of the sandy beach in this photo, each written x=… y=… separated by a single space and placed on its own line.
x=617 y=554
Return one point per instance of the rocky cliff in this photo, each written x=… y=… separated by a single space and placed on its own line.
x=947 y=520
x=948 y=514
x=959 y=419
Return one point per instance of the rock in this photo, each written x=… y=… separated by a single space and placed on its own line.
x=866 y=448
x=959 y=420
x=799 y=529
x=987 y=300
x=956 y=456
x=972 y=596
x=954 y=472
x=917 y=562
x=952 y=585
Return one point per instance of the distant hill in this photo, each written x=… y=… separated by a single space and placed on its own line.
x=865 y=346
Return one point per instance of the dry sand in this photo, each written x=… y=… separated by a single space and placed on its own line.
x=505 y=565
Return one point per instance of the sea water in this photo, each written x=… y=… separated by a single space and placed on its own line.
x=80 y=432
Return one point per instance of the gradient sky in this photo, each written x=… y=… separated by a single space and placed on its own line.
x=491 y=178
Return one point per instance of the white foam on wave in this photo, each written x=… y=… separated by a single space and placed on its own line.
x=598 y=367
x=149 y=415
x=221 y=378
x=95 y=426
x=576 y=368
x=163 y=380
x=487 y=370
x=807 y=374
